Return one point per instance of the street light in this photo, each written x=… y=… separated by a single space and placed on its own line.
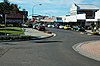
x=48 y=14
x=33 y=8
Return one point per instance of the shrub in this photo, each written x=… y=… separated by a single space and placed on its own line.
x=95 y=33
x=15 y=37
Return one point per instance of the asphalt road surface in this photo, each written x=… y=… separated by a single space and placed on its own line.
x=54 y=51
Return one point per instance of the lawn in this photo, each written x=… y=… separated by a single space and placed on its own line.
x=11 y=30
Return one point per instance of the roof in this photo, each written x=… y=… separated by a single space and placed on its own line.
x=87 y=6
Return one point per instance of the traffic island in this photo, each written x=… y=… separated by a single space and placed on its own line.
x=29 y=34
x=18 y=38
x=47 y=31
x=90 y=49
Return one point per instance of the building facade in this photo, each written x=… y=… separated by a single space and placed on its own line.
x=84 y=14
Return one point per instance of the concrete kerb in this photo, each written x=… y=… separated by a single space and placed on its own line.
x=52 y=35
x=77 y=48
x=89 y=32
x=39 y=34
x=33 y=38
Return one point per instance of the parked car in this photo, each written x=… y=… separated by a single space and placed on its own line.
x=61 y=26
x=34 y=26
x=50 y=26
x=78 y=28
x=99 y=30
x=40 y=28
x=67 y=27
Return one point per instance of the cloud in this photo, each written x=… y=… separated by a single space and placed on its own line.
x=17 y=1
x=51 y=11
x=51 y=6
x=53 y=2
x=59 y=2
x=97 y=2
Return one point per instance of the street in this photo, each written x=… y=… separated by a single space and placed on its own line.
x=54 y=51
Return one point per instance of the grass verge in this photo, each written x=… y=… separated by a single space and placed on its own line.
x=11 y=30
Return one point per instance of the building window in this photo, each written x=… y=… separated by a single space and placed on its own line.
x=90 y=14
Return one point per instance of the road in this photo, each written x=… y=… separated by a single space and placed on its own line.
x=55 y=51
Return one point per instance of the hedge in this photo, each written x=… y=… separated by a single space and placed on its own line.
x=15 y=37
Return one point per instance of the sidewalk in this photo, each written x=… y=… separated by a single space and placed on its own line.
x=89 y=49
x=89 y=32
x=36 y=33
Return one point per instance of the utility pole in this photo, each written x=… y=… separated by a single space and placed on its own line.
x=23 y=16
x=5 y=23
x=23 y=19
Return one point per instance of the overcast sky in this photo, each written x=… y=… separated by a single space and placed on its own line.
x=51 y=7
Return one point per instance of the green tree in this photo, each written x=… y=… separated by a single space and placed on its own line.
x=5 y=1
x=5 y=7
x=14 y=7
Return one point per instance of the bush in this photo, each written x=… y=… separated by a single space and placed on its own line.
x=95 y=33
x=9 y=25
x=15 y=37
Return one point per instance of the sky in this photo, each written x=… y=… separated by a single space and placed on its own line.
x=50 y=7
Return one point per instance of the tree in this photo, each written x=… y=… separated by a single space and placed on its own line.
x=14 y=7
x=6 y=7
x=6 y=1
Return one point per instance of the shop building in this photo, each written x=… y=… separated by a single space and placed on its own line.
x=83 y=14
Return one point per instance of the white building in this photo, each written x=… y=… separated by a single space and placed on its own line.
x=84 y=14
x=97 y=15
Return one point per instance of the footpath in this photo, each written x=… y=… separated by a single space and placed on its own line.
x=89 y=49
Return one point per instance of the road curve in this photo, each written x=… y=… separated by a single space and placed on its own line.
x=55 y=51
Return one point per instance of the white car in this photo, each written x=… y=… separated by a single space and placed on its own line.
x=99 y=30
x=61 y=26
x=50 y=26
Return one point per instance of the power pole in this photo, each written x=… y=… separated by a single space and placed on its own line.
x=5 y=23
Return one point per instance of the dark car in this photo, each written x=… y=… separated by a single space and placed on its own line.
x=78 y=28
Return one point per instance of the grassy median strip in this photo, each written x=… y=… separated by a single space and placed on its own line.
x=11 y=30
